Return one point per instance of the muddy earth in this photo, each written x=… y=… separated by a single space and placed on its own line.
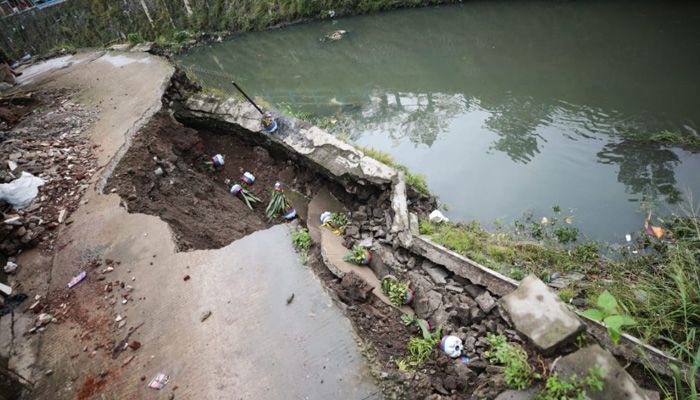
x=194 y=200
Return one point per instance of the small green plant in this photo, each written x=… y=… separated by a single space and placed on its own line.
x=572 y=388
x=302 y=242
x=182 y=36
x=408 y=319
x=419 y=348
x=517 y=273
x=425 y=227
x=518 y=373
x=609 y=313
x=396 y=291
x=359 y=256
x=135 y=38
x=336 y=223
x=278 y=204
x=567 y=294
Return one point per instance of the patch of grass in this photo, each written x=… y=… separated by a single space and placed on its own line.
x=572 y=388
x=302 y=242
x=62 y=48
x=419 y=348
x=416 y=181
x=567 y=294
x=396 y=291
x=135 y=38
x=518 y=372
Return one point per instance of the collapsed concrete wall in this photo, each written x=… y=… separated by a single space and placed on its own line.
x=450 y=290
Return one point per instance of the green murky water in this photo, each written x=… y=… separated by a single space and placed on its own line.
x=506 y=107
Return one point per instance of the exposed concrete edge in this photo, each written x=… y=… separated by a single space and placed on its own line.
x=400 y=224
x=629 y=347
x=108 y=170
x=341 y=161
x=495 y=282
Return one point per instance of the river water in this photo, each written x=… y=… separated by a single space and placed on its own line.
x=506 y=107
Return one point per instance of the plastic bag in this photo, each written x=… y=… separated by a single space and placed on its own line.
x=21 y=192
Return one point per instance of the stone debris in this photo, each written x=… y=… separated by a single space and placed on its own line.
x=52 y=146
x=10 y=267
x=617 y=383
x=538 y=313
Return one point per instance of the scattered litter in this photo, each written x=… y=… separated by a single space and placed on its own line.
x=437 y=217
x=48 y=372
x=554 y=276
x=159 y=171
x=651 y=230
x=108 y=269
x=128 y=360
x=10 y=267
x=452 y=346
x=44 y=319
x=119 y=318
x=335 y=36
x=125 y=301
x=248 y=178
x=135 y=345
x=464 y=360
x=21 y=192
x=76 y=279
x=628 y=237
x=62 y=216
x=205 y=315
x=5 y=289
x=159 y=381
x=186 y=278
x=290 y=299
x=268 y=123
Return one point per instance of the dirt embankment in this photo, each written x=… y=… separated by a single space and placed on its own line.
x=194 y=200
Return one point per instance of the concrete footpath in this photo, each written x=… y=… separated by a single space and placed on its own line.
x=253 y=345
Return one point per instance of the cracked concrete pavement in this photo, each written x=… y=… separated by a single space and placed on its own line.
x=254 y=344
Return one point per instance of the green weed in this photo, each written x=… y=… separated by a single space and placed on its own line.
x=395 y=290
x=135 y=38
x=610 y=313
x=572 y=388
x=518 y=372
x=419 y=348
x=302 y=242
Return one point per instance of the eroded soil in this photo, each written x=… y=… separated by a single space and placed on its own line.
x=192 y=199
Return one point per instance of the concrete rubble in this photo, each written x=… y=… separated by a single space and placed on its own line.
x=617 y=383
x=538 y=313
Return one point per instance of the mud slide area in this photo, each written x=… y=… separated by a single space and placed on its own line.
x=195 y=201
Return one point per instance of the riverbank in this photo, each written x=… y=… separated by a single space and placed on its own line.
x=202 y=272
x=101 y=23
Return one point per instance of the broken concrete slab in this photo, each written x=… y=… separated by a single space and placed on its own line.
x=618 y=384
x=539 y=314
x=496 y=283
x=336 y=159
x=437 y=273
x=485 y=301
x=400 y=224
